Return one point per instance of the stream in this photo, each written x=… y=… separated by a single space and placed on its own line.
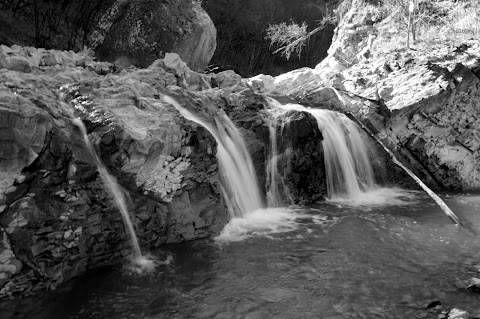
x=399 y=257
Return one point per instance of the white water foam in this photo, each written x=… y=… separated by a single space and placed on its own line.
x=146 y=264
x=379 y=197
x=261 y=222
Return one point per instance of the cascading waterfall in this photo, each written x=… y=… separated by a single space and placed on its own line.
x=277 y=189
x=238 y=178
x=431 y=193
x=347 y=164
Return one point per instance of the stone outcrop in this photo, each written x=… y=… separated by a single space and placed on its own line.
x=57 y=219
x=356 y=29
x=140 y=32
x=422 y=104
x=428 y=110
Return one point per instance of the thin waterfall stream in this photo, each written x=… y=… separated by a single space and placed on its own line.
x=276 y=187
x=114 y=188
x=112 y=185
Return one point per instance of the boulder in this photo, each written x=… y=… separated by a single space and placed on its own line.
x=140 y=32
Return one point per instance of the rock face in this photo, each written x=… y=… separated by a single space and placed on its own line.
x=430 y=112
x=139 y=32
x=353 y=37
x=422 y=104
x=301 y=162
x=56 y=217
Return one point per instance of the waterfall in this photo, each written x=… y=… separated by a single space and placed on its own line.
x=141 y=263
x=237 y=175
x=431 y=193
x=280 y=154
x=112 y=185
x=347 y=164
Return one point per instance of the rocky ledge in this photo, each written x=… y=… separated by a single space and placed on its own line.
x=57 y=219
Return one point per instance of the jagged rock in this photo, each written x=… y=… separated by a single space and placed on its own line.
x=145 y=30
x=352 y=39
x=226 y=78
x=185 y=77
x=27 y=59
x=9 y=264
x=30 y=126
x=458 y=314
x=474 y=285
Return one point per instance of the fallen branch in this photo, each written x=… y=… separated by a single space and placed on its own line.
x=432 y=194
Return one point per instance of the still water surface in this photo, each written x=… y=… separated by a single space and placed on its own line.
x=333 y=260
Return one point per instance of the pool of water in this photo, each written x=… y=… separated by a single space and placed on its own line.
x=333 y=260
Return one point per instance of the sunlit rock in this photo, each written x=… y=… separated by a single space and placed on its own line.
x=458 y=314
x=474 y=285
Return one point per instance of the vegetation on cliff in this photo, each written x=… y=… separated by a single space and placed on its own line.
x=431 y=22
x=241 y=26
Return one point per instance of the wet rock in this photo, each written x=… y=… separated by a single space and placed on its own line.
x=9 y=264
x=473 y=285
x=226 y=78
